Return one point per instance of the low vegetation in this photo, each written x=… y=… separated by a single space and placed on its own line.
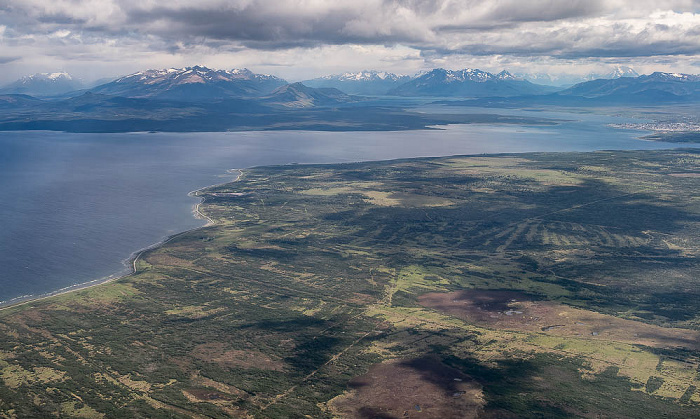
x=535 y=285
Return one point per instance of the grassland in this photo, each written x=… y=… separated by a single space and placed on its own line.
x=534 y=285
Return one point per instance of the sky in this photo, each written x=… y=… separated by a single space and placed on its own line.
x=300 y=39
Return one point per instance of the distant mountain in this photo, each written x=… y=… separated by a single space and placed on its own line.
x=43 y=84
x=504 y=75
x=555 y=80
x=297 y=95
x=656 y=87
x=614 y=73
x=621 y=71
x=567 y=80
x=362 y=83
x=672 y=77
x=468 y=83
x=191 y=84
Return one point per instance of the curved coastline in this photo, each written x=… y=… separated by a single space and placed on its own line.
x=130 y=262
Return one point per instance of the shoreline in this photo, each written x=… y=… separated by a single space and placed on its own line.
x=130 y=262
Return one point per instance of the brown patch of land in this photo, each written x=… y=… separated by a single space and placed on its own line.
x=512 y=310
x=205 y=395
x=417 y=388
x=359 y=298
x=221 y=387
x=235 y=358
x=222 y=400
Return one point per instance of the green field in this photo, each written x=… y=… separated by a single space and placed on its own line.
x=532 y=285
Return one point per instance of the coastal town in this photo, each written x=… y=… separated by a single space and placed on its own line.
x=661 y=126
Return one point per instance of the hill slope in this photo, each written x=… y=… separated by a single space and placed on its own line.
x=650 y=88
x=297 y=95
x=191 y=84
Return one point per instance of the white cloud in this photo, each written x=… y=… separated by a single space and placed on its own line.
x=318 y=36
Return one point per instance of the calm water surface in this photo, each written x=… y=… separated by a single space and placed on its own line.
x=74 y=207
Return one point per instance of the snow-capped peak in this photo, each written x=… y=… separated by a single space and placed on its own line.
x=468 y=74
x=44 y=84
x=56 y=76
x=622 y=71
x=47 y=77
x=505 y=75
x=675 y=76
x=421 y=73
x=365 y=75
x=195 y=74
x=614 y=73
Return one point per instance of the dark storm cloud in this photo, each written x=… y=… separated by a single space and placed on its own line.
x=414 y=22
x=241 y=25
x=270 y=27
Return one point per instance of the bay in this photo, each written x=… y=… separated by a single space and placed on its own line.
x=74 y=207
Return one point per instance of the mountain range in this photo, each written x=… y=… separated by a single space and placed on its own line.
x=201 y=84
x=192 y=84
x=468 y=83
x=567 y=80
x=653 y=88
x=201 y=99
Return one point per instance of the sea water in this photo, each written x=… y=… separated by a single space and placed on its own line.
x=74 y=207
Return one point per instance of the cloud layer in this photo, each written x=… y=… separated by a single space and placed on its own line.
x=51 y=32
